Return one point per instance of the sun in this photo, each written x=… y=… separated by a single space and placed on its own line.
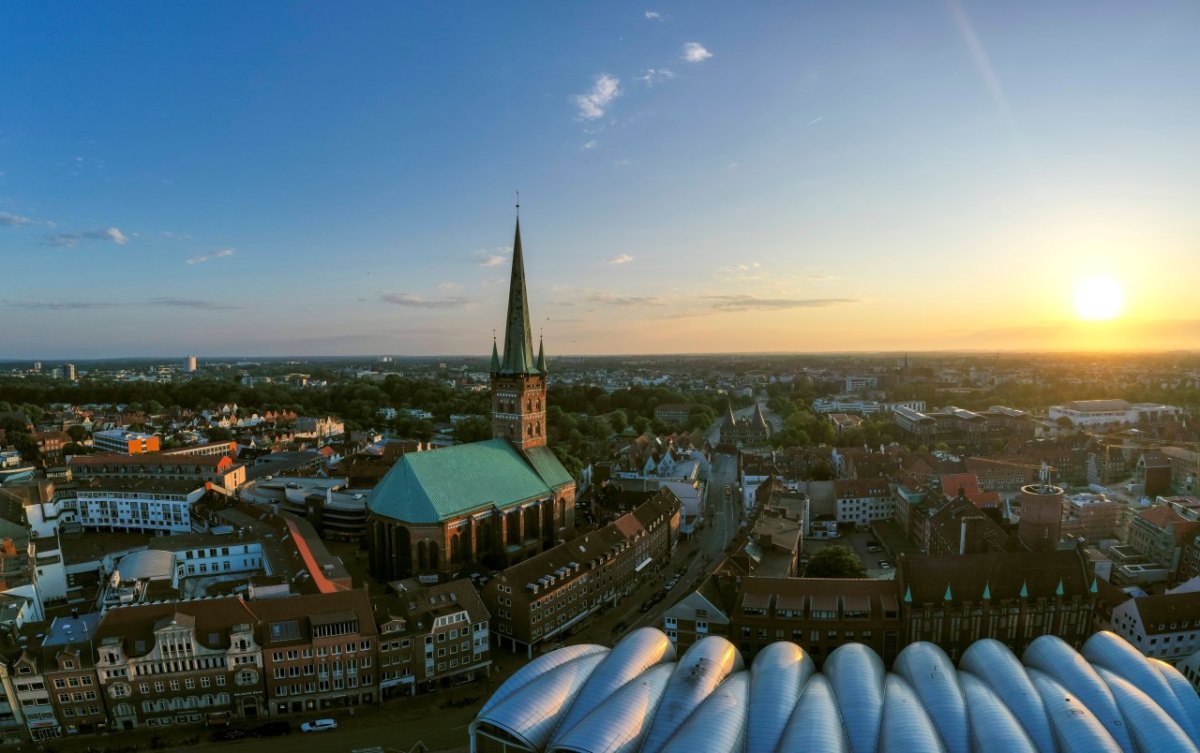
x=1098 y=298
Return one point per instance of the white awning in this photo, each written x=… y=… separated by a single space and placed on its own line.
x=641 y=565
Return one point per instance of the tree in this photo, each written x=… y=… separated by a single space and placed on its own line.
x=77 y=432
x=835 y=561
x=218 y=434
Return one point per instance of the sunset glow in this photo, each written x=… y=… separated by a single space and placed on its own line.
x=1098 y=299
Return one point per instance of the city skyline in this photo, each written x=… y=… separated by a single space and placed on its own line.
x=693 y=178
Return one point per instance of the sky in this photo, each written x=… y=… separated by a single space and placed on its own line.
x=230 y=178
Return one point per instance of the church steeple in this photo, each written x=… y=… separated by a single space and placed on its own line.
x=519 y=378
x=518 y=339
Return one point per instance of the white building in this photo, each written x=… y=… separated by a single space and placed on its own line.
x=189 y=364
x=1103 y=412
x=138 y=505
x=1165 y=626
x=862 y=501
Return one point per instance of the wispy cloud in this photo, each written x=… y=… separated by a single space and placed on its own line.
x=589 y=145
x=818 y=276
x=491 y=257
x=752 y=303
x=202 y=304
x=13 y=220
x=218 y=254
x=605 y=88
x=412 y=300
x=694 y=52
x=70 y=240
x=653 y=15
x=652 y=76
x=63 y=305
x=613 y=299
x=622 y=259
x=816 y=120
x=168 y=302
x=449 y=286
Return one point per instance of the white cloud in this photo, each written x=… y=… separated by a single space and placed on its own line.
x=492 y=257
x=449 y=286
x=653 y=15
x=592 y=105
x=622 y=259
x=13 y=220
x=694 y=52
x=219 y=254
x=654 y=76
x=614 y=299
x=70 y=240
x=590 y=145
x=415 y=301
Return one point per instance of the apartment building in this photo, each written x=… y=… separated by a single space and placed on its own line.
x=319 y=651
x=547 y=595
x=142 y=505
x=124 y=442
x=431 y=635
x=172 y=663
x=862 y=501
x=221 y=470
x=69 y=670
x=1162 y=626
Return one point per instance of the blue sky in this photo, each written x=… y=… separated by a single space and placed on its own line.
x=327 y=178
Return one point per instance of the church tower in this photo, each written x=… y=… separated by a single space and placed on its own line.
x=519 y=379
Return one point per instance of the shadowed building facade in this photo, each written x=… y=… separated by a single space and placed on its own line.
x=494 y=502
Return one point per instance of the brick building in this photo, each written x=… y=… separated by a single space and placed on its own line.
x=431 y=635
x=1012 y=597
x=546 y=596
x=319 y=651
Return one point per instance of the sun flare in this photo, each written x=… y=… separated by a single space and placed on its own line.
x=1098 y=298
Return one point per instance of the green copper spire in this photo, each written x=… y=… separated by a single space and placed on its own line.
x=541 y=362
x=1024 y=590
x=518 y=340
x=949 y=596
x=495 y=356
x=1093 y=588
x=908 y=595
x=987 y=591
x=1058 y=591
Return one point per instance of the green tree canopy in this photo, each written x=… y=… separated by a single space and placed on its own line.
x=835 y=561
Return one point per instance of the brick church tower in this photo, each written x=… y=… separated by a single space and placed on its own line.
x=519 y=379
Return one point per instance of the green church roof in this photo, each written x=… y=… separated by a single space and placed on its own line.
x=427 y=487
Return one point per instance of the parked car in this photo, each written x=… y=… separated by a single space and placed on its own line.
x=620 y=627
x=885 y=565
x=319 y=725
x=273 y=729
x=229 y=734
x=874 y=548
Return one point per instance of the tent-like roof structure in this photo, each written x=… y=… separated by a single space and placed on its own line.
x=637 y=699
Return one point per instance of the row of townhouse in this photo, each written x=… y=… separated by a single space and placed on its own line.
x=217 y=660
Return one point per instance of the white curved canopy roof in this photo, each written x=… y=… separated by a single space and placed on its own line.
x=638 y=700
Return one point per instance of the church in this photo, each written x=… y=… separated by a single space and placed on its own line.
x=494 y=502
